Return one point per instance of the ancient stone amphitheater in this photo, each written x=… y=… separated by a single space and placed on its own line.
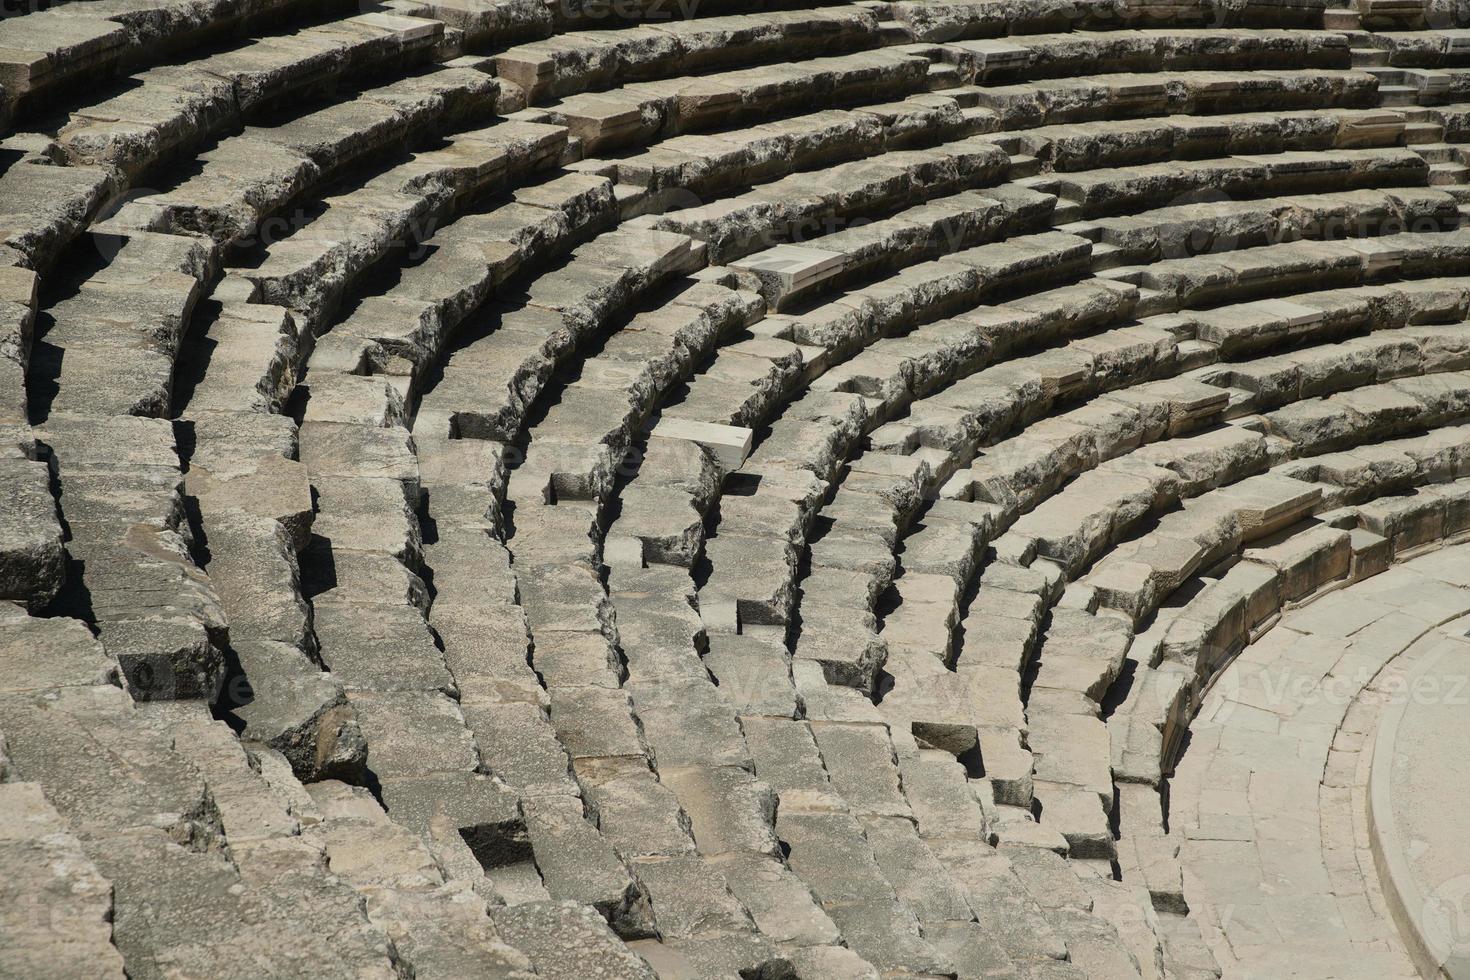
x=724 y=489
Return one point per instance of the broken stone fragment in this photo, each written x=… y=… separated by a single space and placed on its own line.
x=165 y=658
x=288 y=703
x=32 y=560
x=271 y=486
x=476 y=808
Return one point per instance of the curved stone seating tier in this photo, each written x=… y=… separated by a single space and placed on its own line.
x=684 y=537
x=937 y=732
x=598 y=60
x=1278 y=567
x=1061 y=710
x=639 y=112
x=1226 y=455
x=1084 y=52
x=858 y=490
x=813 y=454
x=1057 y=530
x=169 y=108
x=72 y=44
x=998 y=18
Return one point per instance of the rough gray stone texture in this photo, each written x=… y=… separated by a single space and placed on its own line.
x=918 y=489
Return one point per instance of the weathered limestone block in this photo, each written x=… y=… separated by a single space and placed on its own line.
x=566 y=939
x=57 y=909
x=32 y=560
x=51 y=653
x=288 y=703
x=843 y=641
x=410 y=733
x=578 y=864
x=253 y=569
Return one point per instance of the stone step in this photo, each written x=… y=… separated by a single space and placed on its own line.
x=1423 y=132
x=1398 y=95
x=1447 y=173
x=1369 y=57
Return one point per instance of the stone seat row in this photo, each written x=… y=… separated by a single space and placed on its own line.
x=244 y=180
x=705 y=164
x=1113 y=191
x=1048 y=102
x=1237 y=604
x=313 y=268
x=112 y=347
x=922 y=463
x=829 y=457
x=1174 y=231
x=1281 y=559
x=1064 y=732
x=373 y=362
x=1129 y=142
x=672 y=539
x=795 y=275
x=1100 y=482
x=1438 y=346
x=1118 y=494
x=1276 y=498
x=793 y=207
x=1023 y=56
x=1188 y=404
x=252 y=366
x=694 y=167
x=964 y=19
x=330 y=138
x=790 y=276
x=514 y=143
x=484 y=422
x=973 y=411
x=523 y=340
x=575 y=62
x=1368 y=513
x=1440 y=48
x=761 y=536
x=638 y=112
x=651 y=539
x=856 y=320
x=583 y=440
x=64 y=45
x=167 y=109
x=47 y=205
